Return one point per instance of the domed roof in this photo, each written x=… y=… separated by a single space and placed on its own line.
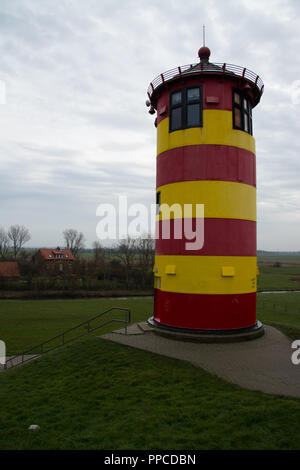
x=204 y=52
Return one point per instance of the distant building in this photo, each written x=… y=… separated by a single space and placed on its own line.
x=9 y=271
x=54 y=260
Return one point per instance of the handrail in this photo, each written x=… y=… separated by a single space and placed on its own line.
x=41 y=349
x=217 y=68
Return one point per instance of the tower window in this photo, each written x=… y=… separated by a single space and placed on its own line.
x=186 y=108
x=158 y=202
x=241 y=112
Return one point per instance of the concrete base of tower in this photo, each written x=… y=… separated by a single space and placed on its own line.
x=208 y=336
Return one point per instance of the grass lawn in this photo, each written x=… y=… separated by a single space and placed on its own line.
x=26 y=323
x=94 y=394
x=282 y=311
x=278 y=278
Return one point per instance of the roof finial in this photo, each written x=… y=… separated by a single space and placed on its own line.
x=204 y=51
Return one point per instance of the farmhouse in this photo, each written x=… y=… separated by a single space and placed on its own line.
x=54 y=259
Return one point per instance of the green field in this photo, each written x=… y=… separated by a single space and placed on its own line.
x=281 y=278
x=278 y=272
x=280 y=310
x=287 y=259
x=27 y=323
x=94 y=394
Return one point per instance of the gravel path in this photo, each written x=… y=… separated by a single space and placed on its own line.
x=262 y=364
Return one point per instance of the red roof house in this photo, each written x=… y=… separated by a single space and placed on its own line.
x=54 y=255
x=54 y=260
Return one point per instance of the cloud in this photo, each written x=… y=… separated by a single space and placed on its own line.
x=75 y=131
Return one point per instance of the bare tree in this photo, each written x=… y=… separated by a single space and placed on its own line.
x=18 y=235
x=4 y=243
x=98 y=251
x=74 y=240
x=101 y=256
x=126 y=252
x=145 y=249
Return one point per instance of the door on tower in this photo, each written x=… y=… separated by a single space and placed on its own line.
x=157 y=286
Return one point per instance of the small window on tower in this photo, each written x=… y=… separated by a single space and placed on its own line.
x=176 y=118
x=237 y=98
x=241 y=112
x=193 y=115
x=238 y=118
x=186 y=108
x=176 y=98
x=193 y=94
x=158 y=203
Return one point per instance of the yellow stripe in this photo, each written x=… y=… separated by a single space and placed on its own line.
x=203 y=274
x=221 y=199
x=217 y=129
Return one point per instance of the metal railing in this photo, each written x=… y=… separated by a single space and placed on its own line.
x=62 y=339
x=216 y=68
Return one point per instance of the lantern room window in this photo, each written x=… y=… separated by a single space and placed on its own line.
x=241 y=112
x=186 y=108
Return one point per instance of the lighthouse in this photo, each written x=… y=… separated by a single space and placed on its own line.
x=205 y=162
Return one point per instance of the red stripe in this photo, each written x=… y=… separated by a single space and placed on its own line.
x=206 y=162
x=222 y=237
x=204 y=311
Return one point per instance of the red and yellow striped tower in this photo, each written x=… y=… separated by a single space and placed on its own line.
x=206 y=155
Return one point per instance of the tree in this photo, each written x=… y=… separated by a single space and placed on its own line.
x=98 y=251
x=145 y=250
x=74 y=240
x=18 y=235
x=4 y=243
x=126 y=252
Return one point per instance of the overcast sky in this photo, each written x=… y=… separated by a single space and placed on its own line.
x=75 y=131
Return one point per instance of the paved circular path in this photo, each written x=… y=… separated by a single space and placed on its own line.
x=263 y=364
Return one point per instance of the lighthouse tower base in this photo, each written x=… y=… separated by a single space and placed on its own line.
x=208 y=336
